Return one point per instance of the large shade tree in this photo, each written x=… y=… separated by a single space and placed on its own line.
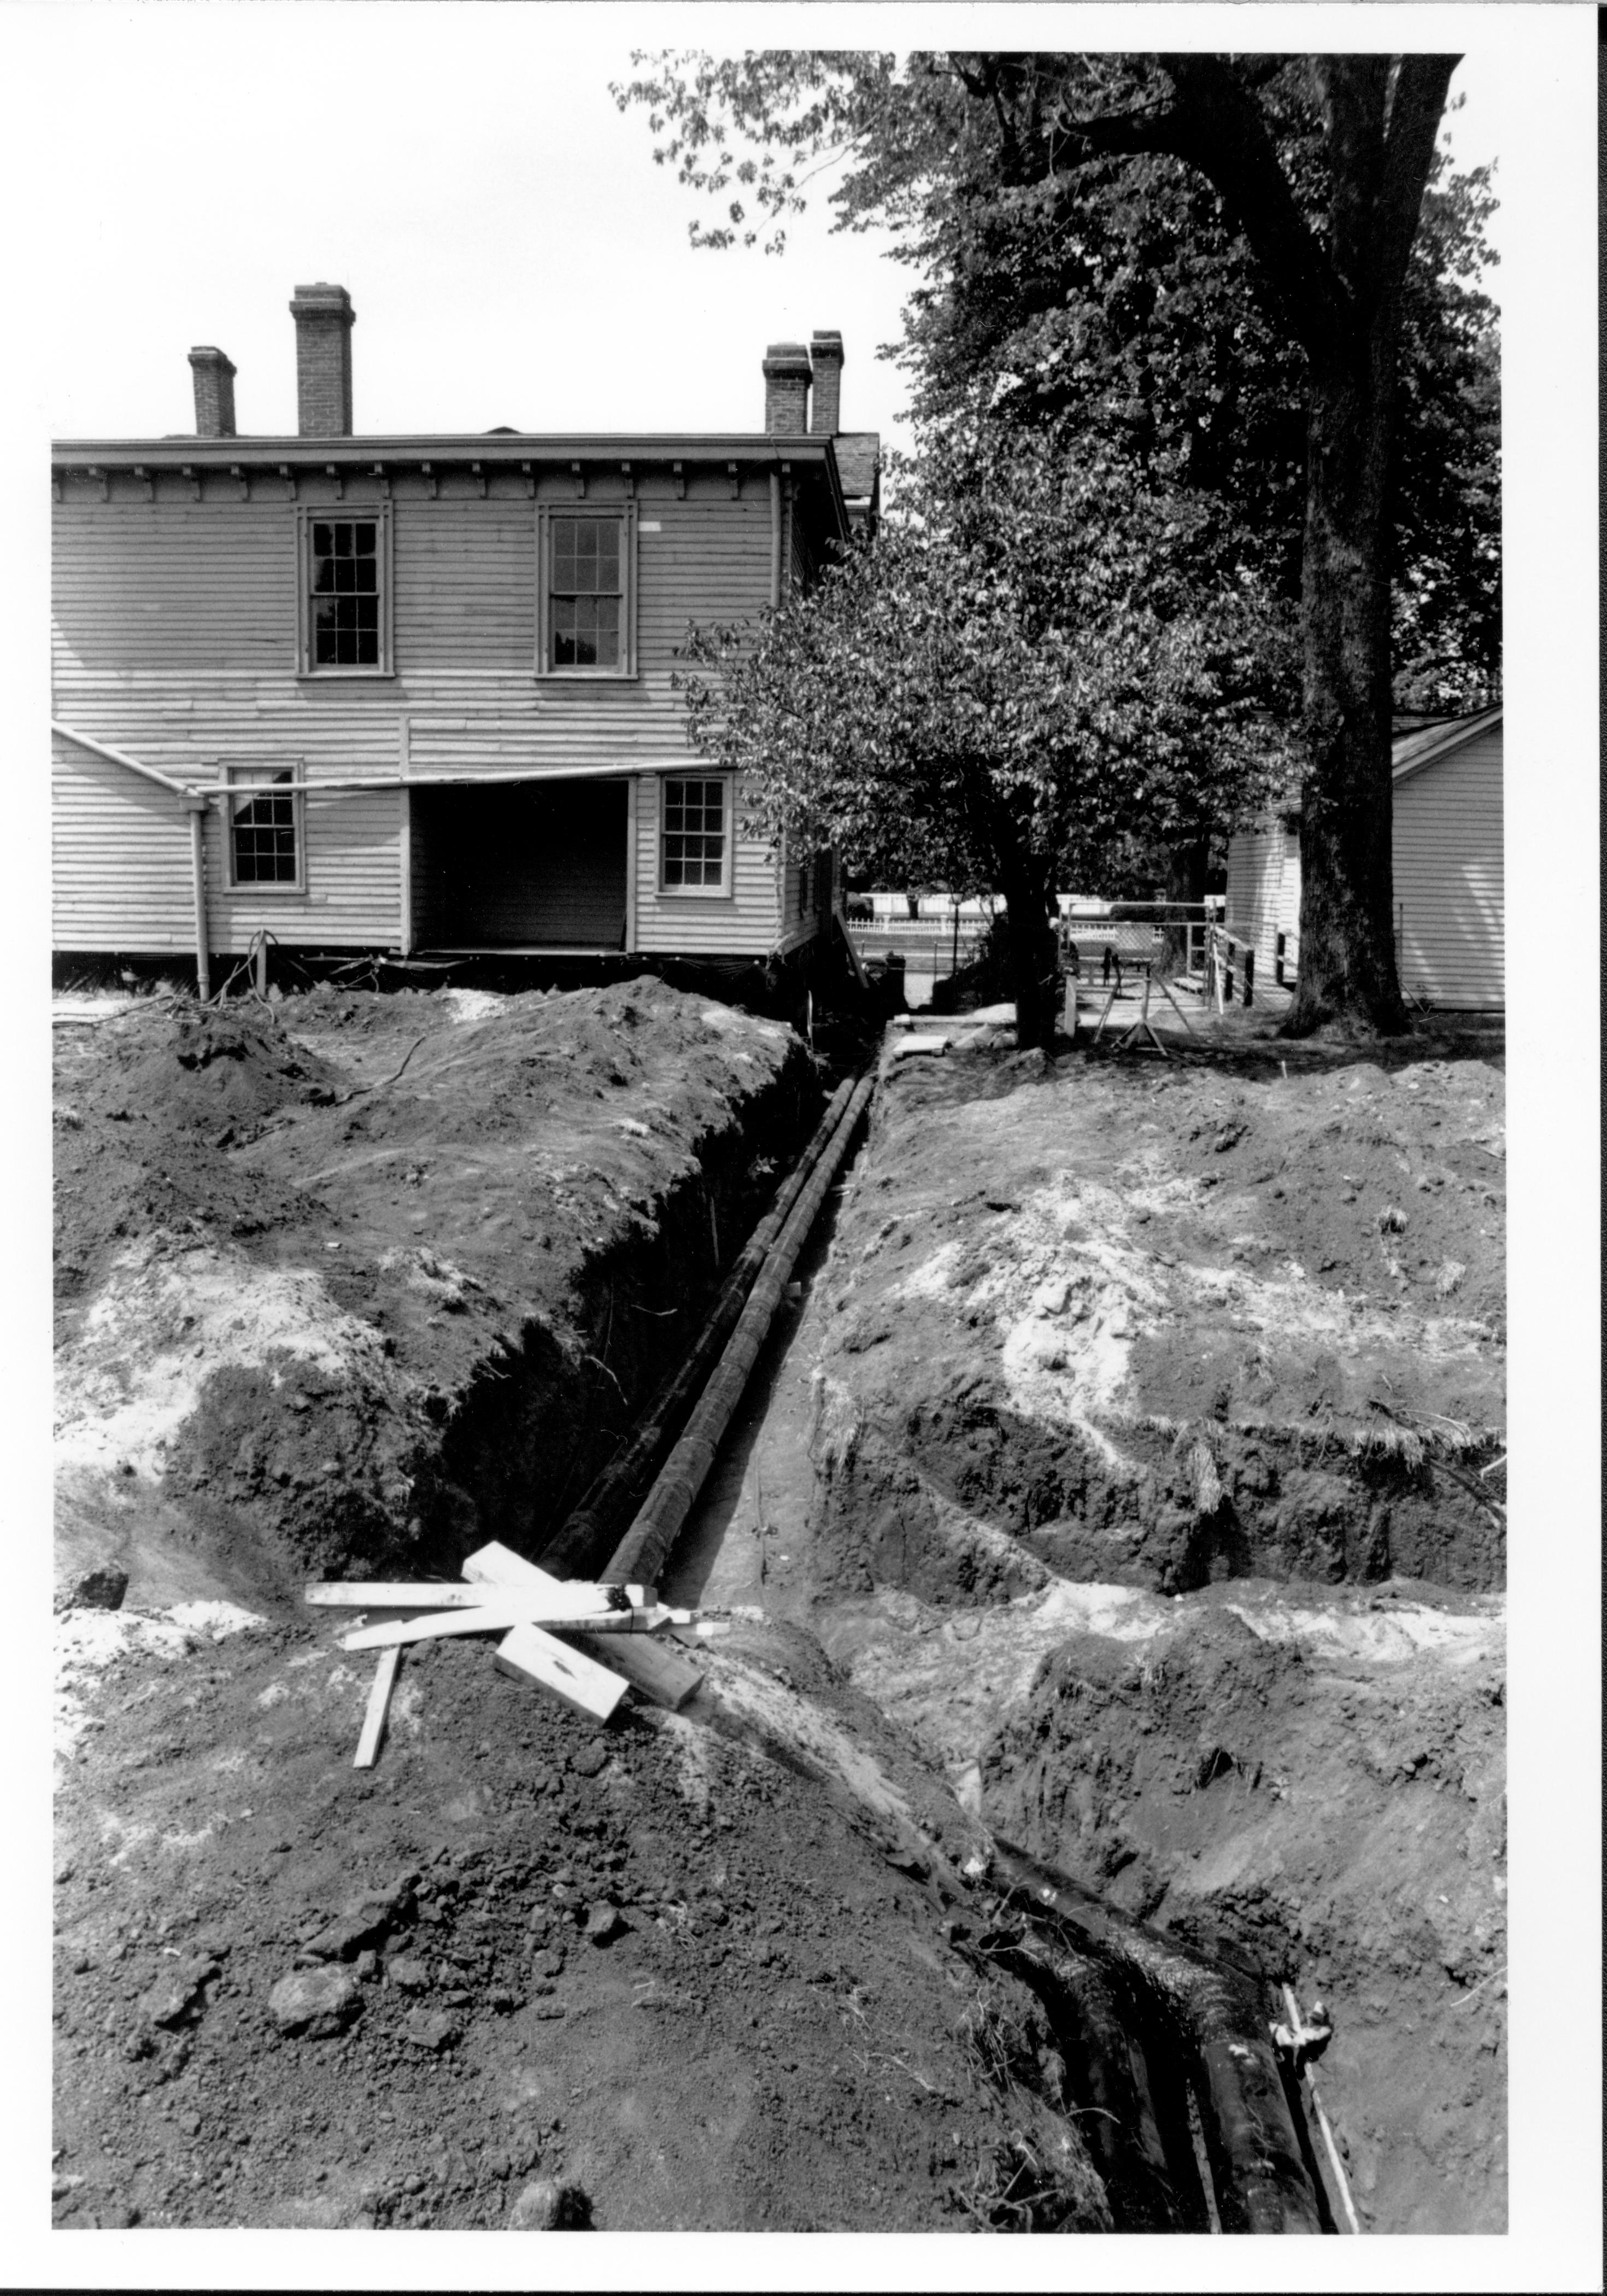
x=1040 y=657
x=1309 y=175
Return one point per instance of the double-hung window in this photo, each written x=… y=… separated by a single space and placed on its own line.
x=265 y=829
x=345 y=565
x=695 y=838
x=586 y=607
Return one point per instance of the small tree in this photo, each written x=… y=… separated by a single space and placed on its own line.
x=1038 y=663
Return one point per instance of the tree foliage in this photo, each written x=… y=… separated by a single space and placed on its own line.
x=1117 y=297
x=1041 y=657
x=1186 y=256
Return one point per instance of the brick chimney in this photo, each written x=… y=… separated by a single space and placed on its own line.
x=825 y=351
x=787 y=388
x=323 y=319
x=214 y=376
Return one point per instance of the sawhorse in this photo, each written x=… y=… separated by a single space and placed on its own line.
x=1132 y=1037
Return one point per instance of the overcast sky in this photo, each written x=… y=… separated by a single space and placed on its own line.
x=514 y=254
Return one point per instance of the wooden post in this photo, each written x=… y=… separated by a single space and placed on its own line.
x=1249 y=976
x=197 y=810
x=631 y=789
x=404 y=840
x=1277 y=961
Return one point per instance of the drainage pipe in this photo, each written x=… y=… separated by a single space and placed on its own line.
x=1218 y=2014
x=196 y=806
x=643 y=1551
x=615 y=1489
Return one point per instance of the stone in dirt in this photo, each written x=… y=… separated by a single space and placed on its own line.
x=545 y=2205
x=408 y=1971
x=315 y=2003
x=176 y=1992
x=101 y=1588
x=603 y=1923
x=432 y=2028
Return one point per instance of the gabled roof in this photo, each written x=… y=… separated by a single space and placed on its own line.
x=1428 y=744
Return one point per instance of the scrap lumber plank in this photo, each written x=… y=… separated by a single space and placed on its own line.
x=660 y=1674
x=509 y=1609
x=496 y=1565
x=379 y=1703
x=487 y=1618
x=530 y=1655
x=392 y=1595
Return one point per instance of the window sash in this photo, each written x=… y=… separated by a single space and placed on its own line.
x=346 y=588
x=695 y=834
x=265 y=829
x=585 y=604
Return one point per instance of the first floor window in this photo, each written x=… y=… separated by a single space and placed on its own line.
x=696 y=837
x=265 y=830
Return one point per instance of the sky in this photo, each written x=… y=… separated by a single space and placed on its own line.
x=514 y=254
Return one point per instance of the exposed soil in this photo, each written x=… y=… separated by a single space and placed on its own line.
x=1115 y=1485
x=666 y=1975
x=318 y=1264
x=1070 y=1463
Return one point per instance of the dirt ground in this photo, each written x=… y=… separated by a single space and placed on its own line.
x=1117 y=1483
x=1074 y=1462
x=319 y=1264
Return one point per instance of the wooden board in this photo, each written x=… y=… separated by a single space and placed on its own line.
x=379 y=1703
x=530 y=1655
x=393 y=1595
x=496 y=1565
x=662 y=1675
x=494 y=1616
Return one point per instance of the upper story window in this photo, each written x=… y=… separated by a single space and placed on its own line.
x=587 y=604
x=264 y=828
x=346 y=592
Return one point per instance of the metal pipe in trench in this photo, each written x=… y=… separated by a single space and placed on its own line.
x=640 y=1554
x=576 y=1547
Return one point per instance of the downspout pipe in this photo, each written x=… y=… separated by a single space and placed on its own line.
x=642 y=1551
x=196 y=807
x=615 y=1490
x=774 y=541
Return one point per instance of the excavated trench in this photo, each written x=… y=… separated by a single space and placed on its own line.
x=1119 y=1653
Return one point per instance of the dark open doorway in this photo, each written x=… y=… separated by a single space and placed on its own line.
x=538 y=865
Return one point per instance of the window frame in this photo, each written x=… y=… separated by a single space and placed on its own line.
x=265 y=777
x=343 y=514
x=725 y=891
x=624 y=513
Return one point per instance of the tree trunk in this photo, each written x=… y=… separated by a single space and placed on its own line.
x=1347 y=958
x=1033 y=960
x=1185 y=867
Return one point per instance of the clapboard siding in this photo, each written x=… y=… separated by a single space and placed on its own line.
x=352 y=894
x=175 y=640
x=742 y=923
x=1449 y=877
x=176 y=585
x=1264 y=891
x=100 y=811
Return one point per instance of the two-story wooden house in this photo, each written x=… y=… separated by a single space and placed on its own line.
x=414 y=694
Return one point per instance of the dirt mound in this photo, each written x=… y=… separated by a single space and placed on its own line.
x=1158 y=1328
x=368 y=1281
x=651 y=1967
